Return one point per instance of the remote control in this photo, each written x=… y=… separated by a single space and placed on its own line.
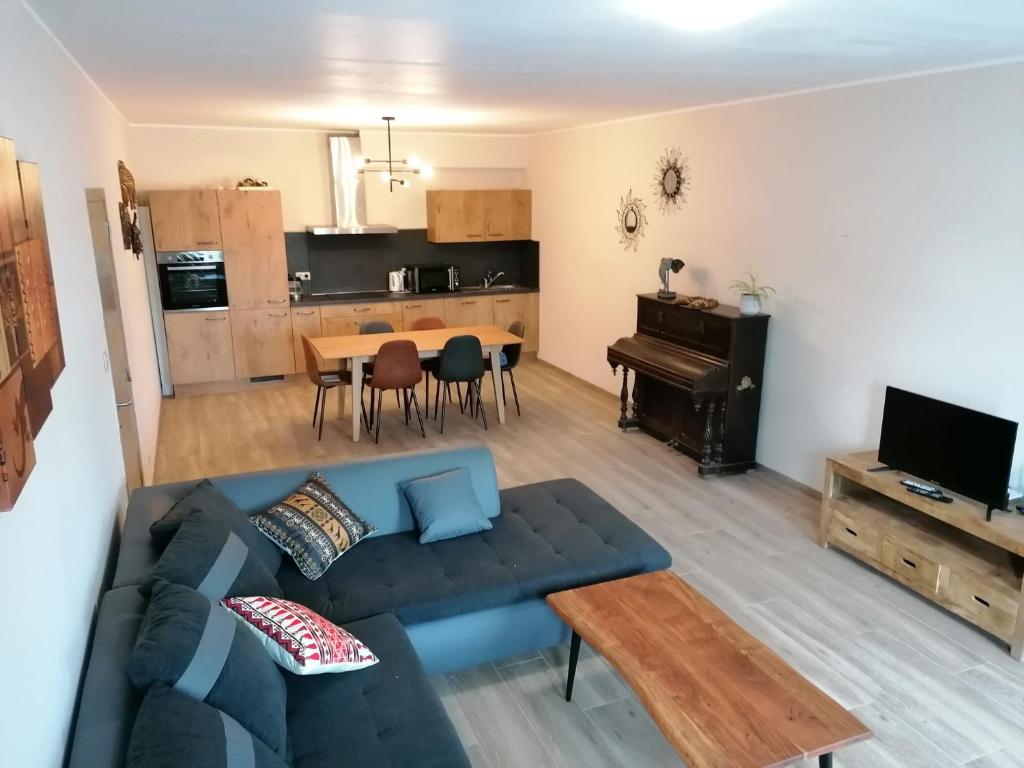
x=934 y=495
x=919 y=486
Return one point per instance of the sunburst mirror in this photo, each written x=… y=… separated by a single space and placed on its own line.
x=632 y=220
x=672 y=180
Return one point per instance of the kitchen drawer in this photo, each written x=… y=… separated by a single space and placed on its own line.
x=854 y=533
x=348 y=325
x=906 y=563
x=983 y=601
x=355 y=310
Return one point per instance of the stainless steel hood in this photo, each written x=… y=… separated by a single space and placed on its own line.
x=348 y=196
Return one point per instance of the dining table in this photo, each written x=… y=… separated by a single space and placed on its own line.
x=357 y=350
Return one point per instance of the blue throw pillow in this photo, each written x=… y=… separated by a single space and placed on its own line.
x=445 y=506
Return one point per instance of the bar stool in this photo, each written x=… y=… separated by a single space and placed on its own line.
x=398 y=368
x=429 y=365
x=461 y=360
x=324 y=381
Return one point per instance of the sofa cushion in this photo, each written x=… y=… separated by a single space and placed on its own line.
x=172 y=731
x=445 y=506
x=384 y=716
x=313 y=525
x=215 y=560
x=200 y=649
x=549 y=536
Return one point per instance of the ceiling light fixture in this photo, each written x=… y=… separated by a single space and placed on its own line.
x=702 y=15
x=390 y=170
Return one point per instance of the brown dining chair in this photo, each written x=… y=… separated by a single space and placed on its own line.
x=324 y=380
x=368 y=327
x=397 y=367
x=429 y=365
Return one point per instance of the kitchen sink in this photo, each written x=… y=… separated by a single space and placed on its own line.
x=481 y=289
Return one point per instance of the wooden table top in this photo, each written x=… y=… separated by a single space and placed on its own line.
x=368 y=344
x=721 y=697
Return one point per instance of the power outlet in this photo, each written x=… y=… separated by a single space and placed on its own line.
x=303 y=276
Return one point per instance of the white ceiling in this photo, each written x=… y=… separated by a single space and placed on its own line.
x=480 y=65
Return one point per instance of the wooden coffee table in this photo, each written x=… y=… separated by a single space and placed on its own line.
x=719 y=695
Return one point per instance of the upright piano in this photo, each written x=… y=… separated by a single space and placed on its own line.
x=697 y=377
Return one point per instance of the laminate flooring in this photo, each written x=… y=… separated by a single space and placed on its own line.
x=935 y=691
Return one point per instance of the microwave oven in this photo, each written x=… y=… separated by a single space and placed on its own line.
x=432 y=278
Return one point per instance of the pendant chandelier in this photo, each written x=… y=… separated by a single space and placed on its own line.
x=394 y=171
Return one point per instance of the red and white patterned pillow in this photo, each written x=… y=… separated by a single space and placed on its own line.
x=298 y=639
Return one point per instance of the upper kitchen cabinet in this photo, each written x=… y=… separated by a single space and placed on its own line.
x=255 y=263
x=185 y=221
x=475 y=215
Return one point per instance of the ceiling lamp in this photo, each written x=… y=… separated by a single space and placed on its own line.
x=702 y=15
x=392 y=171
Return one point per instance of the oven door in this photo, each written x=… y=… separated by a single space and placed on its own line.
x=193 y=286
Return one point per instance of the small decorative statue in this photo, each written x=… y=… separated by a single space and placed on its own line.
x=663 y=269
x=130 y=232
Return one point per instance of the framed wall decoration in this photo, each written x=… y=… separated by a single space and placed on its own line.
x=631 y=221
x=672 y=180
x=31 y=350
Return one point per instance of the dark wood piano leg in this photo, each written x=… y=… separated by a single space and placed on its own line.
x=709 y=423
x=624 y=421
x=636 y=405
x=720 y=444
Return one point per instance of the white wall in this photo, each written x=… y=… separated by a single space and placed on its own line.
x=170 y=157
x=888 y=216
x=54 y=543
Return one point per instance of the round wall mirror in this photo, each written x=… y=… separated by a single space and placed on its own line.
x=671 y=180
x=631 y=221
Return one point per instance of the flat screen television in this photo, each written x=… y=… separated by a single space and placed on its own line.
x=965 y=451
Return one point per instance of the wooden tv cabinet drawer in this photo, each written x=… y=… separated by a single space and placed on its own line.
x=991 y=606
x=908 y=565
x=854 y=532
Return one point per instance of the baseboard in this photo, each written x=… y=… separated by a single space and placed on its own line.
x=796 y=485
x=236 y=385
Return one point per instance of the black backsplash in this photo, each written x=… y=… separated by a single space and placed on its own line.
x=362 y=262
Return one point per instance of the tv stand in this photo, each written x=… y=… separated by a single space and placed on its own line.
x=954 y=554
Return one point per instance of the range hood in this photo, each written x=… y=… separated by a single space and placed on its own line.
x=348 y=196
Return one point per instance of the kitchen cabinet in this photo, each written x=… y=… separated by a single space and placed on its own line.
x=305 y=322
x=420 y=308
x=478 y=215
x=255 y=264
x=185 y=220
x=262 y=340
x=523 y=307
x=464 y=311
x=345 y=319
x=199 y=347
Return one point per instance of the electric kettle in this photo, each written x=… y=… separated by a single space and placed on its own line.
x=396 y=281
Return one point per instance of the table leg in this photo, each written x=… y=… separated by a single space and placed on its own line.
x=825 y=761
x=357 y=396
x=574 y=656
x=499 y=385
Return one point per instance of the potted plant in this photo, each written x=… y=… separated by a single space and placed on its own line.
x=752 y=294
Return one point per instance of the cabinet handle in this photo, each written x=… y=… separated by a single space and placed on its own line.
x=911 y=563
x=983 y=601
x=414 y=306
x=206 y=242
x=305 y=314
x=276 y=301
x=275 y=314
x=215 y=319
x=362 y=309
x=502 y=301
x=468 y=303
x=480 y=235
x=495 y=234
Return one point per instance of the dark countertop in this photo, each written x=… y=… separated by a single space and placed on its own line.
x=361 y=297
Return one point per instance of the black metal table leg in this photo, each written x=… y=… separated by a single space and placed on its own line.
x=825 y=761
x=574 y=656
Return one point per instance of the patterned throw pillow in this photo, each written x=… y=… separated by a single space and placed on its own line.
x=313 y=525
x=299 y=640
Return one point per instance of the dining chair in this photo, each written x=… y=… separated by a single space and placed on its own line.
x=510 y=354
x=429 y=365
x=375 y=326
x=461 y=360
x=324 y=380
x=398 y=368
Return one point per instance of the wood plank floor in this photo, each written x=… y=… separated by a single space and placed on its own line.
x=935 y=691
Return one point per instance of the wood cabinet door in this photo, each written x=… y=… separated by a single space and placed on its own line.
x=185 y=221
x=199 y=347
x=263 y=342
x=348 y=325
x=455 y=216
x=417 y=310
x=507 y=214
x=305 y=322
x=522 y=307
x=255 y=263
x=461 y=312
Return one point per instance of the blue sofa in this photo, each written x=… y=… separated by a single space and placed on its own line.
x=455 y=603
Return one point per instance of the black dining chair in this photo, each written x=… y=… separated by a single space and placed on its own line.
x=461 y=360
x=375 y=326
x=510 y=354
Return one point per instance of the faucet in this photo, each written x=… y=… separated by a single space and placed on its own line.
x=491 y=278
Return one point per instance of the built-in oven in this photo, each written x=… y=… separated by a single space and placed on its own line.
x=432 y=278
x=192 y=279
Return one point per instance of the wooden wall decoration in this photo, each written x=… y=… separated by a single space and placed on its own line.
x=128 y=208
x=31 y=351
